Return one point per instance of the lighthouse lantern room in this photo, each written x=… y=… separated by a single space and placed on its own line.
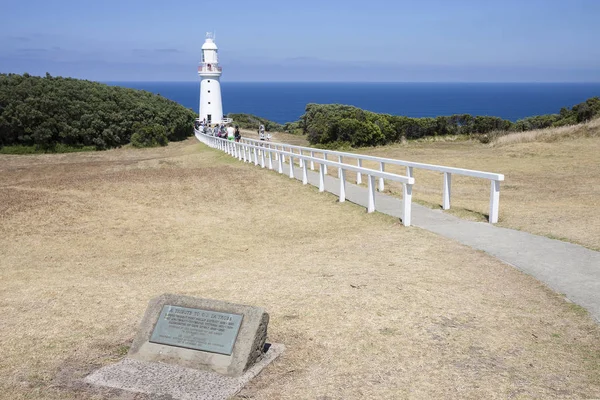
x=211 y=106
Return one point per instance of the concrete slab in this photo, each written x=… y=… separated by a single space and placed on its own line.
x=161 y=380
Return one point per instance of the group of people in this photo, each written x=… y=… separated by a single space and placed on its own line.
x=224 y=131
x=227 y=131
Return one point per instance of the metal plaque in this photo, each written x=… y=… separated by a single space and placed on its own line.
x=196 y=329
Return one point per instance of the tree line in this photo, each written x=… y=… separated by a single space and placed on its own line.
x=337 y=124
x=50 y=112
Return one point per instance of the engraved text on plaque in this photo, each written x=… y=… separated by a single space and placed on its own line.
x=192 y=328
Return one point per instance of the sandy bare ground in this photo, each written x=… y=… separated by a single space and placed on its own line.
x=551 y=188
x=366 y=307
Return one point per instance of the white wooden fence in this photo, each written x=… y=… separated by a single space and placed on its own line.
x=494 y=178
x=265 y=156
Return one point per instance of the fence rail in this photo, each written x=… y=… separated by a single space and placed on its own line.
x=494 y=178
x=264 y=155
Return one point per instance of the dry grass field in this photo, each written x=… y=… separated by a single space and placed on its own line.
x=366 y=307
x=551 y=187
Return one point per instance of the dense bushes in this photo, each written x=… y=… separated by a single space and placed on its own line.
x=149 y=136
x=47 y=112
x=249 y=121
x=335 y=123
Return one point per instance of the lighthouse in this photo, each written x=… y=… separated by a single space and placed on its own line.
x=211 y=107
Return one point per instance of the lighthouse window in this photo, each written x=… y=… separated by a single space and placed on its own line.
x=209 y=81
x=209 y=102
x=209 y=91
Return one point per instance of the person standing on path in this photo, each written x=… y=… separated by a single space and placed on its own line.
x=237 y=134
x=230 y=132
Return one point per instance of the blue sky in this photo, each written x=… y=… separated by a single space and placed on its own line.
x=309 y=40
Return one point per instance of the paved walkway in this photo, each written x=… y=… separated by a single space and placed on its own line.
x=567 y=268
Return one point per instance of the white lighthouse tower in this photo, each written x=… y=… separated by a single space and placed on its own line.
x=211 y=107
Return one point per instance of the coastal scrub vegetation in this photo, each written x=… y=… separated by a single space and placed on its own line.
x=250 y=121
x=51 y=114
x=338 y=125
x=590 y=129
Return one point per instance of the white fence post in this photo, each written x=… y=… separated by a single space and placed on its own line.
x=280 y=163
x=312 y=162
x=325 y=158
x=270 y=158
x=381 y=168
x=406 y=203
x=300 y=160
x=321 y=177
x=276 y=153
x=371 y=194
x=262 y=157
x=342 y=185
x=283 y=155
x=409 y=172
x=494 y=201
x=340 y=160
x=304 y=174
x=358 y=174
x=239 y=151
x=291 y=167
x=255 y=157
x=447 y=190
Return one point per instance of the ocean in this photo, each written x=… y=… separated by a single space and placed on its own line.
x=285 y=102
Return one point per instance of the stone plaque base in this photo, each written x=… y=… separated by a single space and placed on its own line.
x=179 y=383
x=201 y=333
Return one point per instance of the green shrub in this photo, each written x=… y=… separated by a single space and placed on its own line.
x=149 y=136
x=54 y=113
x=336 y=123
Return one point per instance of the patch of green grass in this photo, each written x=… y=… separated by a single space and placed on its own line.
x=469 y=215
x=555 y=237
x=388 y=331
x=577 y=309
x=121 y=351
x=59 y=148
x=427 y=204
x=564 y=239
